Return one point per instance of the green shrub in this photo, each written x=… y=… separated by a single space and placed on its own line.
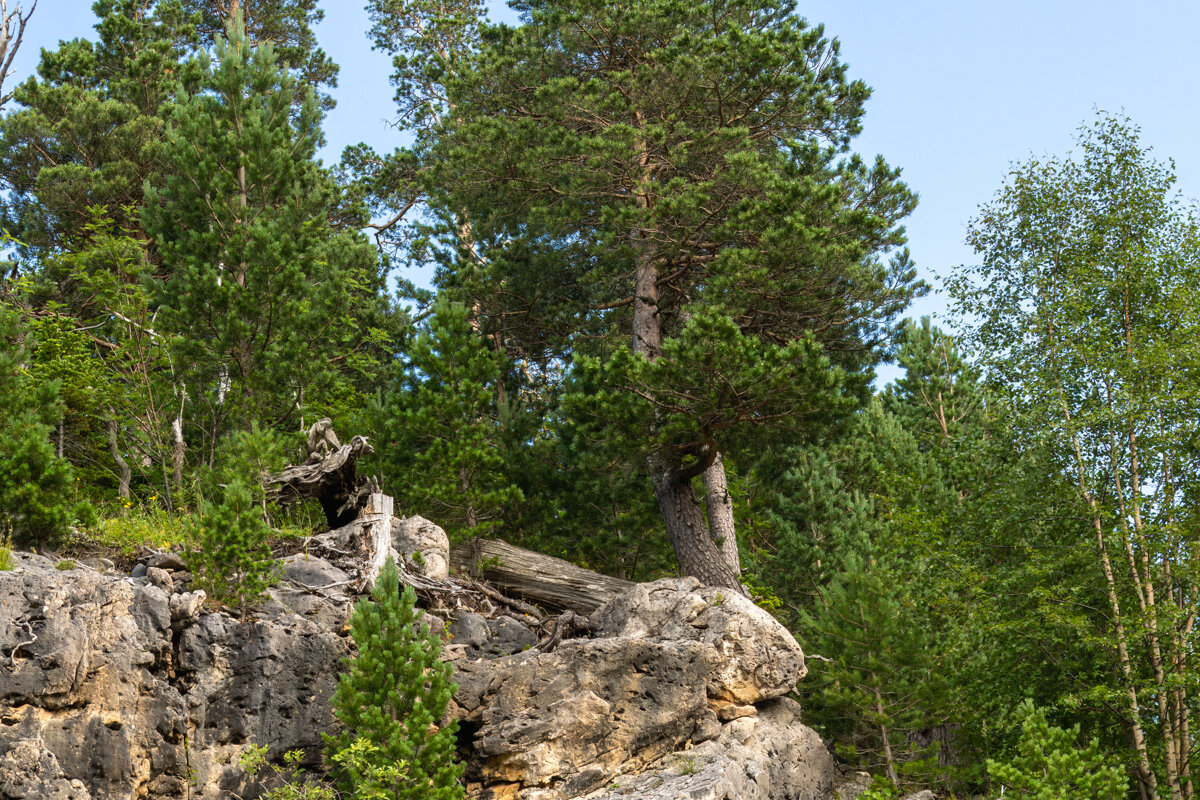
x=295 y=786
x=231 y=557
x=35 y=484
x=390 y=702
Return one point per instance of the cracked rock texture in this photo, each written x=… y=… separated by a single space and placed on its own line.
x=127 y=687
x=125 y=691
x=641 y=706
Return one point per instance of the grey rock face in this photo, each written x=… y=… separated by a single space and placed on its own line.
x=29 y=770
x=127 y=688
x=113 y=677
x=767 y=757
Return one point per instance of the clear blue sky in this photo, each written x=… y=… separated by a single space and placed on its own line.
x=961 y=89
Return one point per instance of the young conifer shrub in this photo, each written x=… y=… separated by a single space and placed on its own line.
x=1050 y=764
x=391 y=701
x=232 y=559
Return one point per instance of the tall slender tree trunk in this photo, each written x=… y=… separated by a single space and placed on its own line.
x=114 y=448
x=1146 y=777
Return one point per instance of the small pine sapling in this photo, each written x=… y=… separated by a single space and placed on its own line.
x=232 y=559
x=1050 y=765
x=391 y=702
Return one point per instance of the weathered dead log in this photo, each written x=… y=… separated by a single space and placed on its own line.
x=329 y=477
x=552 y=583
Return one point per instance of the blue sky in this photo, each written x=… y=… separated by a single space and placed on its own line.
x=962 y=89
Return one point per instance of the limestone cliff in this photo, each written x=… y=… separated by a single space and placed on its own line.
x=123 y=686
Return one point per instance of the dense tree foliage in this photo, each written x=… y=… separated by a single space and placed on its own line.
x=663 y=282
x=673 y=199
x=1085 y=301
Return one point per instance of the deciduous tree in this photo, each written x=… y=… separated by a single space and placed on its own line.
x=1086 y=297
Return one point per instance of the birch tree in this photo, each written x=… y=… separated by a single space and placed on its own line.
x=1087 y=303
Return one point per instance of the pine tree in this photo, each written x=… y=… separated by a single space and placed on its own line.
x=1050 y=765
x=393 y=697
x=674 y=199
x=89 y=130
x=444 y=453
x=286 y=24
x=231 y=554
x=269 y=298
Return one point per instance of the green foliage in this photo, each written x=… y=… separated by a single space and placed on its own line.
x=6 y=557
x=881 y=789
x=271 y=302
x=89 y=128
x=1084 y=300
x=231 y=556
x=377 y=778
x=445 y=445
x=286 y=24
x=295 y=786
x=393 y=698
x=1050 y=765
x=36 y=486
x=253 y=454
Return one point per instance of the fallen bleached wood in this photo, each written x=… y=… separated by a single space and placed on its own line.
x=552 y=583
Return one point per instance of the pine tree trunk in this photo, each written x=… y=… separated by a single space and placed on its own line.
x=885 y=736
x=695 y=549
x=719 y=506
x=695 y=545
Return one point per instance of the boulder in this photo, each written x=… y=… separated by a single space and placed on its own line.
x=669 y=662
x=759 y=658
x=480 y=637
x=850 y=784
x=574 y=717
x=423 y=546
x=315 y=574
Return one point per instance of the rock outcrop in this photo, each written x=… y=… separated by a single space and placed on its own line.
x=117 y=686
x=132 y=691
x=676 y=688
